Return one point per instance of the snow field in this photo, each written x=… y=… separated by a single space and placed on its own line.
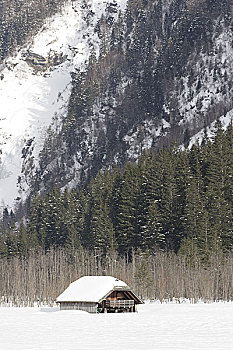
x=155 y=326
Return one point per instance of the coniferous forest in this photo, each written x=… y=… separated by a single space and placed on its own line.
x=174 y=200
x=163 y=224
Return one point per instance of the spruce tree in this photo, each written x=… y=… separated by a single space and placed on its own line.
x=220 y=210
x=165 y=169
x=149 y=231
x=127 y=209
x=23 y=242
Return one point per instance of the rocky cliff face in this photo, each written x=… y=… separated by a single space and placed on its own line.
x=112 y=79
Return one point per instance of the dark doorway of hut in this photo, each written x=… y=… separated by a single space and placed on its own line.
x=117 y=301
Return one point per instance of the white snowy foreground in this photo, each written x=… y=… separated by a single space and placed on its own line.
x=155 y=326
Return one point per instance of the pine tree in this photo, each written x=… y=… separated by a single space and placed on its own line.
x=54 y=234
x=36 y=226
x=3 y=246
x=228 y=188
x=154 y=238
x=218 y=179
x=23 y=243
x=149 y=231
x=11 y=244
x=70 y=219
x=101 y=227
x=168 y=192
x=127 y=209
x=193 y=215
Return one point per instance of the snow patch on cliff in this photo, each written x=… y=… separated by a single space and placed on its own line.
x=35 y=86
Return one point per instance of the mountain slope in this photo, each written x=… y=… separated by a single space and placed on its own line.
x=113 y=78
x=35 y=88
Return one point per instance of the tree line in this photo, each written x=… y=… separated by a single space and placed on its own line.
x=174 y=200
x=41 y=277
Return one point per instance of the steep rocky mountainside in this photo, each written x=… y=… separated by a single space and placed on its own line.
x=126 y=76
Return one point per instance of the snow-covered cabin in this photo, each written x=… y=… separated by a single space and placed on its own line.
x=99 y=294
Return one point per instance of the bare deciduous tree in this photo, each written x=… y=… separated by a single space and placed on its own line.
x=43 y=276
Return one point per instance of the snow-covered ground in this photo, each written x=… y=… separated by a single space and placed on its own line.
x=156 y=326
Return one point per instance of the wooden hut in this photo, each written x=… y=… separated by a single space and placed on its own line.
x=99 y=294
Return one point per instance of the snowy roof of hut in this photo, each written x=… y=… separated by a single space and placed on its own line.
x=91 y=289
